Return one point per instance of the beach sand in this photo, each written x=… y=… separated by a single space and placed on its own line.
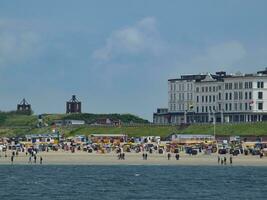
x=83 y=158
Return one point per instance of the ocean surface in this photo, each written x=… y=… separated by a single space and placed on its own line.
x=132 y=182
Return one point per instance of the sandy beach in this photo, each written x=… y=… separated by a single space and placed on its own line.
x=83 y=158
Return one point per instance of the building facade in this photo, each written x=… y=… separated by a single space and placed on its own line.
x=220 y=97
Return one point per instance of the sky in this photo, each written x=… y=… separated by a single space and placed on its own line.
x=117 y=56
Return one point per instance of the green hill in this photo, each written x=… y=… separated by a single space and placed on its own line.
x=12 y=124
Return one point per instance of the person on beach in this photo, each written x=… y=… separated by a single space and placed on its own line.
x=145 y=156
x=219 y=159
x=261 y=154
x=224 y=160
x=177 y=156
x=34 y=157
x=231 y=160
x=12 y=159
x=30 y=160
x=123 y=156
x=41 y=160
x=169 y=156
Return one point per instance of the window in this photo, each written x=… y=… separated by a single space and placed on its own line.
x=235 y=106
x=240 y=95
x=230 y=86
x=220 y=106
x=246 y=106
x=226 y=86
x=209 y=98
x=214 y=89
x=213 y=98
x=235 y=86
x=230 y=96
x=240 y=106
x=226 y=106
x=240 y=85
x=260 y=106
x=260 y=84
x=230 y=106
x=206 y=89
x=235 y=95
x=206 y=98
x=202 y=98
x=220 y=96
x=246 y=95
x=250 y=95
x=203 y=89
x=202 y=108
x=209 y=88
x=197 y=109
x=259 y=95
x=246 y=85
x=197 y=89
x=226 y=96
x=249 y=84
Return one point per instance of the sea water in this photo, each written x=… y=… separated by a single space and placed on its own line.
x=132 y=182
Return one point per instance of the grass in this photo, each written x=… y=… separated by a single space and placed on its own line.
x=12 y=124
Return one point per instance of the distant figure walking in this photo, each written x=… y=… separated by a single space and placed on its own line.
x=34 y=157
x=261 y=154
x=143 y=156
x=224 y=160
x=219 y=159
x=41 y=160
x=231 y=160
x=169 y=156
x=177 y=156
x=12 y=159
x=30 y=159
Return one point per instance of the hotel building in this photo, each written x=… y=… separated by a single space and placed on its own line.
x=220 y=97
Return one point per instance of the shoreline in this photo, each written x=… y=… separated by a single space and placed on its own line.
x=109 y=159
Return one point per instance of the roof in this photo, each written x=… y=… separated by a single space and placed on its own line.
x=41 y=136
x=107 y=135
x=181 y=136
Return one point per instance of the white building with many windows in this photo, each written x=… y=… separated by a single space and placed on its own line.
x=222 y=97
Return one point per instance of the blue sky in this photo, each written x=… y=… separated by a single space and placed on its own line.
x=117 y=56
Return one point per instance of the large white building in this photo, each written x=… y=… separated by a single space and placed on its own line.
x=222 y=97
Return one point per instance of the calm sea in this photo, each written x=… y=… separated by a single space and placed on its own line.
x=132 y=182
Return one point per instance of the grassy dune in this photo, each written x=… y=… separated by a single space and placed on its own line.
x=13 y=124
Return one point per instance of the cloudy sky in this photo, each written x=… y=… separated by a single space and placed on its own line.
x=117 y=56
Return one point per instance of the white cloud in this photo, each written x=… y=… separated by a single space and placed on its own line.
x=139 y=39
x=223 y=56
x=17 y=42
